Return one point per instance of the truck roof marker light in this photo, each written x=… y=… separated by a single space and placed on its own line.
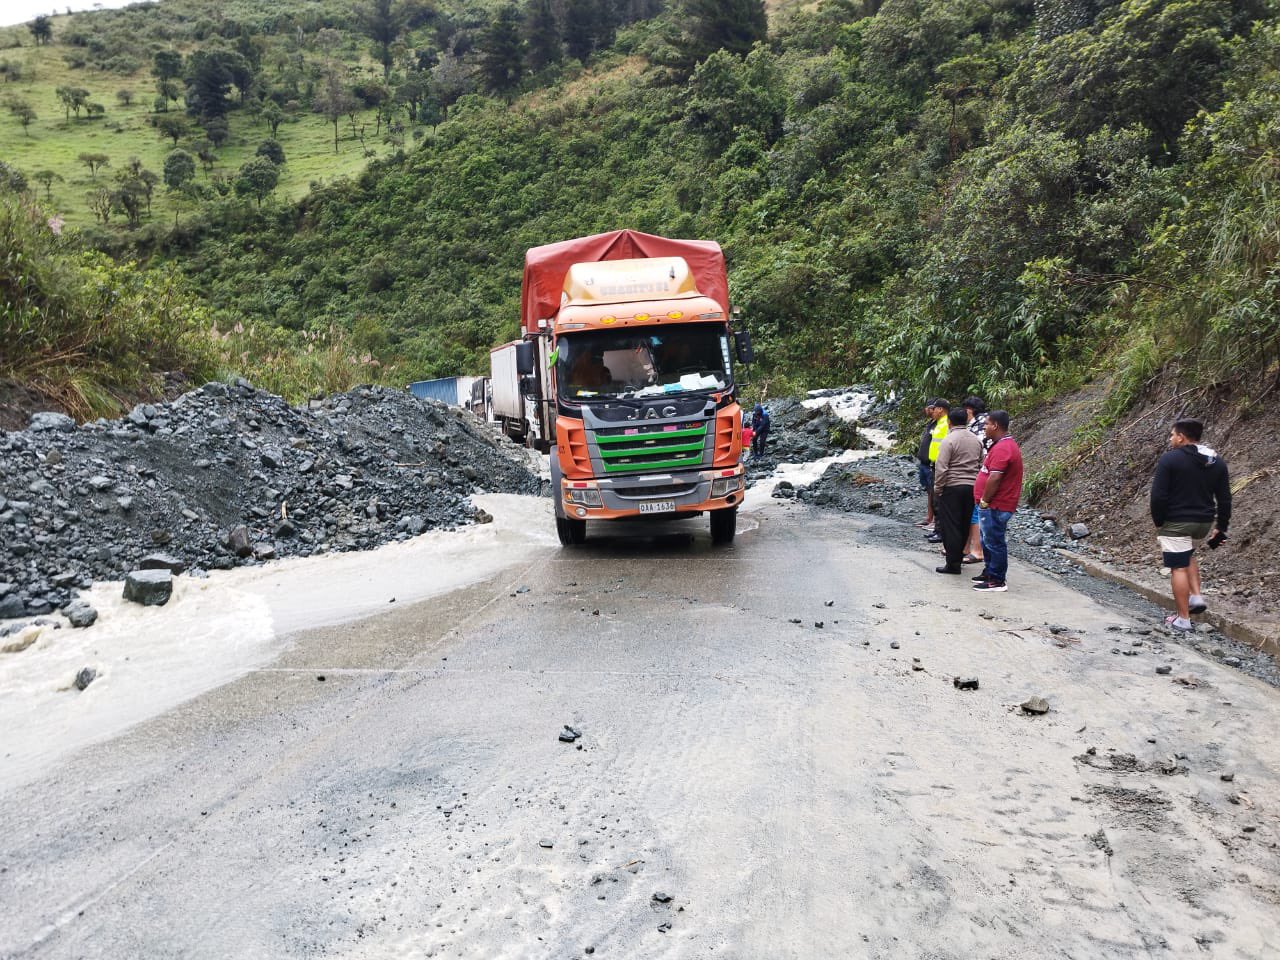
x=675 y=314
x=641 y=317
x=608 y=320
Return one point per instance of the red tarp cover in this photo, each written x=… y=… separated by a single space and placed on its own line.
x=546 y=266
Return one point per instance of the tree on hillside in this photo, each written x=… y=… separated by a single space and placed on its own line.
x=179 y=169
x=580 y=30
x=166 y=65
x=101 y=203
x=48 y=178
x=501 y=57
x=206 y=155
x=169 y=90
x=172 y=125
x=124 y=96
x=542 y=35
x=272 y=116
x=209 y=81
x=73 y=99
x=23 y=112
x=257 y=178
x=710 y=25
x=95 y=162
x=334 y=99
x=130 y=195
x=382 y=21
x=42 y=29
x=272 y=150
x=179 y=172
x=728 y=95
x=217 y=130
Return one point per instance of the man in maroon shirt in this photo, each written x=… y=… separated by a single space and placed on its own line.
x=997 y=491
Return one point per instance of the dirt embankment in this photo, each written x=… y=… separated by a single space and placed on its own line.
x=1106 y=485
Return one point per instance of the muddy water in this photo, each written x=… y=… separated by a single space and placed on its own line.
x=149 y=659
x=797 y=791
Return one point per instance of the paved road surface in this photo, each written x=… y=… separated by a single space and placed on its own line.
x=797 y=792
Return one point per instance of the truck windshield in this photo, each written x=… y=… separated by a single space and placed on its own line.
x=643 y=363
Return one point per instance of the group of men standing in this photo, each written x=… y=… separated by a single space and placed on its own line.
x=971 y=469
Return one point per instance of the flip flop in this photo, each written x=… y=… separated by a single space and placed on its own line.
x=970 y=558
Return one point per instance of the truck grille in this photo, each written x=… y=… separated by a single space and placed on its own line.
x=637 y=449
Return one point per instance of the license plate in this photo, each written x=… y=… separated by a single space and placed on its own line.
x=658 y=506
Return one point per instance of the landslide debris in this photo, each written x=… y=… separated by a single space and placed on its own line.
x=227 y=475
x=802 y=434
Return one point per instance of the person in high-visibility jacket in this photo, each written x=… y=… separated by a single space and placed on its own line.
x=941 y=426
x=939 y=409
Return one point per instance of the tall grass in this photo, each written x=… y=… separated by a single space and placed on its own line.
x=83 y=330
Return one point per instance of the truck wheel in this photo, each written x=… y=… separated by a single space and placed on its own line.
x=571 y=532
x=724 y=524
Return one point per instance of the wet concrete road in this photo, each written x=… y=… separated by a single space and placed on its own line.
x=796 y=792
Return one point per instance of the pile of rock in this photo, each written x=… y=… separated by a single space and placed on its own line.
x=228 y=475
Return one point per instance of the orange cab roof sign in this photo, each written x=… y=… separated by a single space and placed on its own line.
x=545 y=267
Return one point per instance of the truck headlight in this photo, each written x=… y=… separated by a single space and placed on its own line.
x=725 y=486
x=589 y=498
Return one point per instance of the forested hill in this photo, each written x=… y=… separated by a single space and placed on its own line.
x=943 y=195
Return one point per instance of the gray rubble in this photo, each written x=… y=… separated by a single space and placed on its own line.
x=229 y=475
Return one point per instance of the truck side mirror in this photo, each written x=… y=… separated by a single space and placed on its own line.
x=742 y=346
x=524 y=357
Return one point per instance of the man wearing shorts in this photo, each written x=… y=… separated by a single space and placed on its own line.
x=1190 y=500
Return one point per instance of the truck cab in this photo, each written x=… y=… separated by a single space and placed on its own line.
x=629 y=385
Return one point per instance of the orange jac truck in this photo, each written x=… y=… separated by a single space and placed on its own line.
x=625 y=376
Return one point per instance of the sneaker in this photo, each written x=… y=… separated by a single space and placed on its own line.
x=1178 y=624
x=983 y=577
x=934 y=538
x=992 y=586
x=945 y=569
x=1197 y=604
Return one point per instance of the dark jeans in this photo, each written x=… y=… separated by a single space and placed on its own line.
x=757 y=442
x=953 y=508
x=924 y=473
x=995 y=547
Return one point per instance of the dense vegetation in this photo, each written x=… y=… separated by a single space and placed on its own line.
x=943 y=195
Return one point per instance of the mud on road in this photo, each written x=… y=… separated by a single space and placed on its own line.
x=774 y=762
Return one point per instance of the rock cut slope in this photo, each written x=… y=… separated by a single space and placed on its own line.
x=228 y=474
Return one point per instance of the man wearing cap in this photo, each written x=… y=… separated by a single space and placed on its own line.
x=997 y=492
x=939 y=410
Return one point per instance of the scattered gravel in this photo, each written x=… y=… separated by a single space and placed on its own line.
x=228 y=475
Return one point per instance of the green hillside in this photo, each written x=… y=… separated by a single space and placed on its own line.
x=940 y=195
x=124 y=86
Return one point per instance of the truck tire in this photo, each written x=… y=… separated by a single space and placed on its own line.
x=572 y=532
x=724 y=524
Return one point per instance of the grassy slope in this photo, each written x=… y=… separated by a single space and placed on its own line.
x=53 y=143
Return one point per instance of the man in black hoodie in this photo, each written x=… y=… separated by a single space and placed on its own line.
x=1190 y=500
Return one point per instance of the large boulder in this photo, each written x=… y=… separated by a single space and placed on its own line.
x=162 y=561
x=151 y=588
x=48 y=421
x=238 y=541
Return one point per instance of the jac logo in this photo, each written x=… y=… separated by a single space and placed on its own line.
x=653 y=414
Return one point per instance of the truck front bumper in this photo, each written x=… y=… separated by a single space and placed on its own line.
x=654 y=495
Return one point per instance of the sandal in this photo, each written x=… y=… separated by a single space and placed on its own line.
x=970 y=558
